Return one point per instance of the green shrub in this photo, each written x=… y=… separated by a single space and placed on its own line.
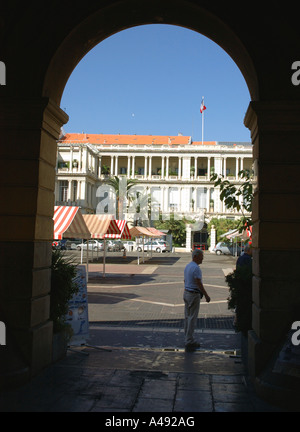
x=63 y=287
x=240 y=296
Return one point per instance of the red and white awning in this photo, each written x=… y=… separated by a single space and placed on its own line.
x=104 y=226
x=124 y=232
x=69 y=223
x=100 y=225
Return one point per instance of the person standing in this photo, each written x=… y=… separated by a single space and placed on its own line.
x=246 y=258
x=193 y=292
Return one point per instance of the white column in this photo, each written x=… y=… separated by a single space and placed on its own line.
x=179 y=167
x=150 y=167
x=162 y=198
x=167 y=168
x=99 y=166
x=78 y=190
x=80 y=167
x=212 y=238
x=166 y=198
x=85 y=158
x=179 y=198
x=116 y=165
x=224 y=172
x=69 y=190
x=236 y=168
x=145 y=167
x=242 y=163
x=128 y=166
x=133 y=166
x=188 y=242
x=162 y=167
x=208 y=168
x=112 y=165
x=208 y=199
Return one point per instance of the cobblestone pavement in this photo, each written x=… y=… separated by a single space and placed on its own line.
x=134 y=360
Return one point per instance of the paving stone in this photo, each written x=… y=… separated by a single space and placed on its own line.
x=193 y=382
x=117 y=397
x=158 y=389
x=193 y=401
x=153 y=405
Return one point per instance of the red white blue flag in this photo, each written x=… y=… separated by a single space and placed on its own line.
x=202 y=107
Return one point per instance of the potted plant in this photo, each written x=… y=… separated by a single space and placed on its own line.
x=75 y=163
x=240 y=301
x=105 y=170
x=63 y=287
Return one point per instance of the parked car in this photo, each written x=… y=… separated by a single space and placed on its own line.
x=154 y=245
x=129 y=245
x=93 y=245
x=115 y=246
x=75 y=243
x=166 y=244
x=222 y=248
x=226 y=249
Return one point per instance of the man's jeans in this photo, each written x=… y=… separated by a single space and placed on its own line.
x=191 y=311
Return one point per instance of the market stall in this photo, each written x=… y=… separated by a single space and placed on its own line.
x=141 y=233
x=106 y=227
x=69 y=223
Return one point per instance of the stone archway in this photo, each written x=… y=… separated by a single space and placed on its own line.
x=126 y=14
x=30 y=123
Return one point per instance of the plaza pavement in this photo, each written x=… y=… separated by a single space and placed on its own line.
x=134 y=359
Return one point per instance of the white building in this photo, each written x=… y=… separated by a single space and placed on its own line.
x=173 y=169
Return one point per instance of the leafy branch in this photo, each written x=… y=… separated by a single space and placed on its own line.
x=237 y=197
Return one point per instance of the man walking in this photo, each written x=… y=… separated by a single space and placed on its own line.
x=193 y=292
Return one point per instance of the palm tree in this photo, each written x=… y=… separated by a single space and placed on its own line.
x=122 y=187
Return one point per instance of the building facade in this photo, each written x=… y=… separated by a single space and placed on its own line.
x=173 y=170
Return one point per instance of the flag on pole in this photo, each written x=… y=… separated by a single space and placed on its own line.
x=203 y=107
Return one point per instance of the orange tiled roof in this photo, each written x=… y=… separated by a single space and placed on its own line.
x=110 y=139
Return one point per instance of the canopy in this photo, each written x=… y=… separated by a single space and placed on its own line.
x=104 y=226
x=69 y=223
x=155 y=231
x=124 y=231
x=100 y=225
x=138 y=231
x=245 y=234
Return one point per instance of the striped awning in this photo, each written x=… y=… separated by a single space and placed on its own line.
x=101 y=225
x=69 y=223
x=124 y=231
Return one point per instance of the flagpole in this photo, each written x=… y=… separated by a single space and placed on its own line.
x=202 y=120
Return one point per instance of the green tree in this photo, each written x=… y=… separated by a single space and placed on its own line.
x=222 y=226
x=121 y=187
x=176 y=227
x=237 y=197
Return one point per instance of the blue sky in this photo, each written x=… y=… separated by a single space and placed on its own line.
x=149 y=80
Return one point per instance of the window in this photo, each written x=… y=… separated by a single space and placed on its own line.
x=63 y=190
